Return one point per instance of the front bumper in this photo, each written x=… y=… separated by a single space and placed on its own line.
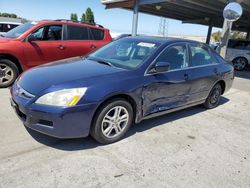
x=72 y=122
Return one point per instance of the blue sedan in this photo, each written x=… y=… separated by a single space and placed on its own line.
x=124 y=82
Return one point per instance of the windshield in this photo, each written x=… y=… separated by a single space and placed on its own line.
x=16 y=32
x=124 y=53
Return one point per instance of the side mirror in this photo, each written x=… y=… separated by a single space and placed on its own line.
x=161 y=67
x=31 y=38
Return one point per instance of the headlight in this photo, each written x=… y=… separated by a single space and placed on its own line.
x=63 y=98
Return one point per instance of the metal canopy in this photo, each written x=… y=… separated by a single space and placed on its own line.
x=205 y=12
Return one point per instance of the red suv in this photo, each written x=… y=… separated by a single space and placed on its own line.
x=33 y=44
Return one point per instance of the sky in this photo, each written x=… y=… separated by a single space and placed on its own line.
x=117 y=20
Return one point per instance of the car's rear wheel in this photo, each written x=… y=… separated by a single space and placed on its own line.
x=240 y=63
x=112 y=121
x=8 y=73
x=214 y=96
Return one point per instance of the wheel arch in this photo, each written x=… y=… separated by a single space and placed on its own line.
x=241 y=56
x=126 y=97
x=223 y=85
x=13 y=59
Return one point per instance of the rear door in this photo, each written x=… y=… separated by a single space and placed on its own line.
x=203 y=72
x=47 y=47
x=78 y=41
x=171 y=89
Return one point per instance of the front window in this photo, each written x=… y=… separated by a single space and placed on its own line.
x=48 y=33
x=17 y=31
x=176 y=56
x=127 y=54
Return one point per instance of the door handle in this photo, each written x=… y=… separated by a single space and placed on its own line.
x=93 y=46
x=186 y=76
x=61 y=47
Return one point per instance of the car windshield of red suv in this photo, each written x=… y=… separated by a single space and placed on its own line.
x=16 y=32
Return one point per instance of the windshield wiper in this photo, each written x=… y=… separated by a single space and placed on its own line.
x=101 y=61
x=1 y=35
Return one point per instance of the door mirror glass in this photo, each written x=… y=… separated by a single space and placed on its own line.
x=161 y=67
x=232 y=11
x=32 y=38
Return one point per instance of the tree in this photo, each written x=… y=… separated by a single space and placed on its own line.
x=238 y=35
x=73 y=17
x=89 y=16
x=216 y=36
x=8 y=15
x=83 y=18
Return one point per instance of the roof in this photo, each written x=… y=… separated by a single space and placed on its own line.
x=159 y=40
x=64 y=21
x=189 y=11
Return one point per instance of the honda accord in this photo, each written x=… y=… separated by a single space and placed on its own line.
x=122 y=83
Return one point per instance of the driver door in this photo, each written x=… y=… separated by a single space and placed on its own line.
x=168 y=90
x=47 y=46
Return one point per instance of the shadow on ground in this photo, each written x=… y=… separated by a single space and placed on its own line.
x=89 y=143
x=243 y=74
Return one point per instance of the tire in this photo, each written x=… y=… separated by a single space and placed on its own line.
x=8 y=73
x=240 y=63
x=213 y=98
x=106 y=127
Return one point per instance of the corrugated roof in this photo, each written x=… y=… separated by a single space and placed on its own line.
x=191 y=11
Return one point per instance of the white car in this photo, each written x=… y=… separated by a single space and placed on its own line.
x=6 y=26
x=238 y=52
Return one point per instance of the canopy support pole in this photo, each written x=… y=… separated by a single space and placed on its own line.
x=209 y=32
x=135 y=18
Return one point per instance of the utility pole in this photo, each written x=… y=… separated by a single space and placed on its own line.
x=163 y=27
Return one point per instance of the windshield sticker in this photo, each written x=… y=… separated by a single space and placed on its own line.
x=145 y=44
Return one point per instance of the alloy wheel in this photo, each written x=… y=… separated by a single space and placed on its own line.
x=6 y=74
x=215 y=96
x=240 y=64
x=115 y=121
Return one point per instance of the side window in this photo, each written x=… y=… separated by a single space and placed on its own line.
x=240 y=45
x=12 y=26
x=77 y=33
x=200 y=55
x=53 y=32
x=176 y=56
x=48 y=33
x=6 y=27
x=38 y=34
x=1 y=27
x=97 y=34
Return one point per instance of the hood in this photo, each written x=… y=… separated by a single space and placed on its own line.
x=69 y=71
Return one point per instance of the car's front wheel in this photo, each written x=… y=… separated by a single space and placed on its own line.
x=112 y=121
x=214 y=96
x=8 y=73
x=240 y=63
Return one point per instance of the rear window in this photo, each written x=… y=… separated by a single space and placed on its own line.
x=97 y=34
x=7 y=27
x=241 y=45
x=77 y=33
